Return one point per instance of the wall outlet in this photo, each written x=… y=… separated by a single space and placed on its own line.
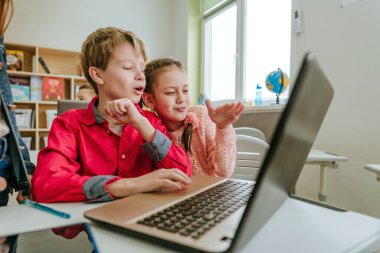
x=297 y=21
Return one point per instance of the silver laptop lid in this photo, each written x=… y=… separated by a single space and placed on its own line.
x=293 y=138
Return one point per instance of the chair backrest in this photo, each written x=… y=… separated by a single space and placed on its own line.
x=250 y=154
x=65 y=105
x=250 y=131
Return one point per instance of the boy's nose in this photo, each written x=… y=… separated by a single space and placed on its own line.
x=140 y=76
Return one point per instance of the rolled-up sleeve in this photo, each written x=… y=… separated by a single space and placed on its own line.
x=159 y=147
x=94 y=188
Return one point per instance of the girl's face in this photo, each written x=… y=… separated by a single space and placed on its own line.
x=170 y=97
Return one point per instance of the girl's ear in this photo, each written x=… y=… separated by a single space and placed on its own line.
x=96 y=75
x=148 y=100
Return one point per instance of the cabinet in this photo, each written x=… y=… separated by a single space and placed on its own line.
x=62 y=64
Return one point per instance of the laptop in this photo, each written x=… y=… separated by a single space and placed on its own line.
x=221 y=214
x=65 y=105
x=74 y=238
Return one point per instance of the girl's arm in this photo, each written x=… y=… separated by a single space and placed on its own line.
x=222 y=118
x=221 y=147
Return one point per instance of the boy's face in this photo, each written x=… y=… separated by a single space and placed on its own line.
x=171 y=97
x=124 y=76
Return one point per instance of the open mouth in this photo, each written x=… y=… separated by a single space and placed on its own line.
x=140 y=89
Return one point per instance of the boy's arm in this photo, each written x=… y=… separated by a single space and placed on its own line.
x=164 y=153
x=158 y=146
x=57 y=178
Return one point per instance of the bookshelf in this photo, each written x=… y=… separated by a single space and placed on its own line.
x=63 y=65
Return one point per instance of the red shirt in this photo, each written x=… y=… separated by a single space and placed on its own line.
x=81 y=146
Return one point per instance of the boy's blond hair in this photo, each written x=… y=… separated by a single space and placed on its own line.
x=99 y=45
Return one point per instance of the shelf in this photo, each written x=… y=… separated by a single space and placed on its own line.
x=64 y=62
x=27 y=129
x=29 y=74
x=47 y=102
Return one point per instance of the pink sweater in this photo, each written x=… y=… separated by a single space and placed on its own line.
x=213 y=149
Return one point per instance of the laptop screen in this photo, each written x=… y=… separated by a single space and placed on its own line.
x=65 y=105
x=292 y=140
x=74 y=238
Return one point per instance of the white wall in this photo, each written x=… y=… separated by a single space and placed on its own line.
x=346 y=42
x=66 y=24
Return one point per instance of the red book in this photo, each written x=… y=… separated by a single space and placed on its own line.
x=52 y=88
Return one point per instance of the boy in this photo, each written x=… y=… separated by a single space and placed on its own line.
x=85 y=92
x=111 y=148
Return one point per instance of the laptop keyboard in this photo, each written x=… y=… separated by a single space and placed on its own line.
x=196 y=215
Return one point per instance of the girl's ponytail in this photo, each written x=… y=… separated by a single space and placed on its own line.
x=186 y=137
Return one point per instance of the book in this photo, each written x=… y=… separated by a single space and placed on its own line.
x=20 y=88
x=52 y=88
x=15 y=60
x=35 y=88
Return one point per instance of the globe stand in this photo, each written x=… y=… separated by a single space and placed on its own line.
x=277 y=99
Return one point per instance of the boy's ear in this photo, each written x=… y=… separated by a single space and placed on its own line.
x=96 y=75
x=148 y=100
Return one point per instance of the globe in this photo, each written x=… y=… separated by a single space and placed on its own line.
x=277 y=82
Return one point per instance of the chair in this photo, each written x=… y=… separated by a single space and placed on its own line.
x=65 y=105
x=249 y=156
x=250 y=131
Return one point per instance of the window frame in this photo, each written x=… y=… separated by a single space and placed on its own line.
x=240 y=55
x=207 y=64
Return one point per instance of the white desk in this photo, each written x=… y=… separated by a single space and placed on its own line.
x=325 y=161
x=296 y=227
x=375 y=168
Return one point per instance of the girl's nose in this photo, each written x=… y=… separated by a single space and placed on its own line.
x=180 y=97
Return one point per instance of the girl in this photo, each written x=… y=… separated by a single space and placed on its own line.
x=205 y=133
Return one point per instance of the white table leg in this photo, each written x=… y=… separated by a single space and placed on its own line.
x=322 y=183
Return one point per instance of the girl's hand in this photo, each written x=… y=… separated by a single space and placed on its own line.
x=20 y=197
x=162 y=179
x=224 y=115
x=3 y=184
x=124 y=111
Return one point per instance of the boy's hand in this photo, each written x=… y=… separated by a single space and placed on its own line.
x=162 y=179
x=224 y=115
x=124 y=111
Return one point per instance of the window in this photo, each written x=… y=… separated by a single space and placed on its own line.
x=220 y=50
x=259 y=31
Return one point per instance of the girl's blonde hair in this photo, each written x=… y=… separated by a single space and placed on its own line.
x=98 y=47
x=5 y=16
x=152 y=72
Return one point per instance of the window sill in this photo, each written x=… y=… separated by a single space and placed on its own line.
x=264 y=108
